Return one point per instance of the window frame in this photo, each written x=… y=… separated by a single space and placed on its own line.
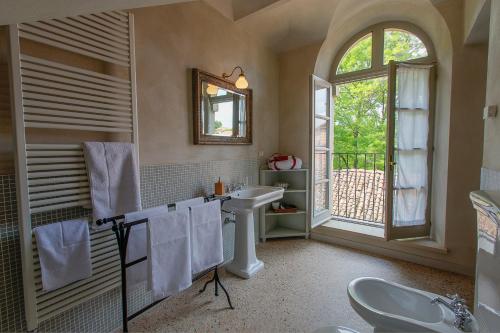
x=377 y=64
x=378 y=69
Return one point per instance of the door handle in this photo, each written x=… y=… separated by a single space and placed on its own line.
x=392 y=163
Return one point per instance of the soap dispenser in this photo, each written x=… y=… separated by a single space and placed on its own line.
x=219 y=188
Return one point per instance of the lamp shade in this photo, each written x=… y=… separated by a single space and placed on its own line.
x=242 y=82
x=212 y=90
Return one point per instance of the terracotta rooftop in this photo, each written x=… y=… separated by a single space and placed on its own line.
x=359 y=194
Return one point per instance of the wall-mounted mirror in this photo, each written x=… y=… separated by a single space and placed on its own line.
x=222 y=113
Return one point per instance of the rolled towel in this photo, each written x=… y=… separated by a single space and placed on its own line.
x=64 y=253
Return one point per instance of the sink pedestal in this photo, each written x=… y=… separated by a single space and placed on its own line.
x=245 y=263
x=243 y=202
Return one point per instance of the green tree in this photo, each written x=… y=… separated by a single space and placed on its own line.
x=217 y=124
x=360 y=107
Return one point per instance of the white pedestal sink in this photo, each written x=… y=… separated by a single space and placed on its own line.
x=243 y=202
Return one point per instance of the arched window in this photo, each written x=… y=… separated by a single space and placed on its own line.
x=368 y=52
x=375 y=131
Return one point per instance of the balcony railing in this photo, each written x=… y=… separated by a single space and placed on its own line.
x=358 y=191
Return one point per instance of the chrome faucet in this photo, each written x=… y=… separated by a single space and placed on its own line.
x=457 y=305
x=231 y=187
x=234 y=187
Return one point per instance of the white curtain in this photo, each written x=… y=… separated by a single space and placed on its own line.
x=412 y=129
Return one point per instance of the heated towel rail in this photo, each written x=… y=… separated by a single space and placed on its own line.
x=52 y=95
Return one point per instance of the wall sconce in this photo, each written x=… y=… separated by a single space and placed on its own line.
x=241 y=82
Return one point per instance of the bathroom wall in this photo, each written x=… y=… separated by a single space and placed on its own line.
x=491 y=152
x=459 y=127
x=160 y=184
x=170 y=40
x=472 y=11
x=296 y=67
x=466 y=133
x=165 y=54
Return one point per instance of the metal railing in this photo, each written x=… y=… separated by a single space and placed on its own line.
x=358 y=191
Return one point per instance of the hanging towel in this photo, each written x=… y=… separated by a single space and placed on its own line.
x=189 y=203
x=137 y=246
x=114 y=178
x=186 y=204
x=64 y=253
x=169 y=253
x=206 y=238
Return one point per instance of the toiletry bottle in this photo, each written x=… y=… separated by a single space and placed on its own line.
x=219 y=188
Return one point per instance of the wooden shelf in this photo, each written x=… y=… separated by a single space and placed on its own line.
x=271 y=213
x=284 y=232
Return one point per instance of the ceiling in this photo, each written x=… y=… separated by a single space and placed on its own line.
x=281 y=24
x=16 y=11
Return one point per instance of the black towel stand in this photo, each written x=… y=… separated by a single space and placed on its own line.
x=122 y=232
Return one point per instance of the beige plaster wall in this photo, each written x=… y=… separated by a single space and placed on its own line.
x=466 y=136
x=458 y=137
x=170 y=40
x=472 y=8
x=296 y=67
x=491 y=154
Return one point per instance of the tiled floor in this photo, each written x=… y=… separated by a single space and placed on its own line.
x=302 y=288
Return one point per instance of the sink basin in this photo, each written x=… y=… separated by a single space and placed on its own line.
x=253 y=197
x=243 y=202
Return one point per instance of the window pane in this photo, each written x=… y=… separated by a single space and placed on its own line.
x=321 y=197
x=321 y=170
x=360 y=121
x=400 y=45
x=321 y=101
x=358 y=57
x=320 y=132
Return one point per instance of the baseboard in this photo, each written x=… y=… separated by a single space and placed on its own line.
x=394 y=253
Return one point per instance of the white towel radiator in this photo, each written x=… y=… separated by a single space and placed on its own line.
x=48 y=94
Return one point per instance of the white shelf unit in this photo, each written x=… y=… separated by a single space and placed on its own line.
x=280 y=225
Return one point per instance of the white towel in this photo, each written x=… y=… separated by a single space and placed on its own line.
x=137 y=246
x=169 y=253
x=186 y=204
x=189 y=203
x=64 y=253
x=114 y=178
x=206 y=238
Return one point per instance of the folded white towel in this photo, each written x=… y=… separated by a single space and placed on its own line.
x=64 y=253
x=137 y=246
x=206 y=238
x=189 y=203
x=114 y=178
x=169 y=253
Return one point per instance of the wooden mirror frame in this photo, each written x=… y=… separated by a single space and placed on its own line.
x=203 y=139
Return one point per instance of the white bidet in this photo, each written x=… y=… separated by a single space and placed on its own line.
x=391 y=307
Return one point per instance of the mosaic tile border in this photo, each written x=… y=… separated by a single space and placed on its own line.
x=160 y=184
